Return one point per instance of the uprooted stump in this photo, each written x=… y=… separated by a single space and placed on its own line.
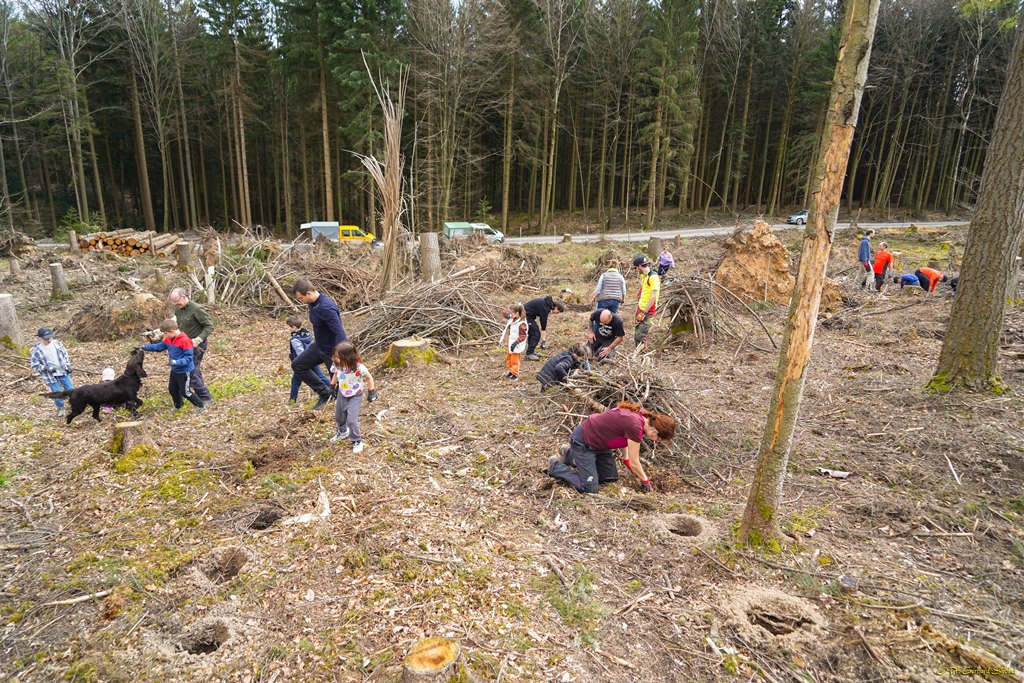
x=756 y=267
x=435 y=660
x=118 y=318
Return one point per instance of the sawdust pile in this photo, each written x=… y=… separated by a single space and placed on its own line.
x=118 y=318
x=756 y=267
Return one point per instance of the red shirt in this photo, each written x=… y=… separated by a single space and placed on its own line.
x=933 y=277
x=882 y=261
x=612 y=429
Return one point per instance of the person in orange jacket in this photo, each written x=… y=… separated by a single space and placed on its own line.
x=929 y=278
x=883 y=260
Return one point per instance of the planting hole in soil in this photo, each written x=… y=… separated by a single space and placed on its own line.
x=265 y=518
x=684 y=525
x=777 y=624
x=205 y=638
x=226 y=564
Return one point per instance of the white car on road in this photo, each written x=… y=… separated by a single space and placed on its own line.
x=798 y=218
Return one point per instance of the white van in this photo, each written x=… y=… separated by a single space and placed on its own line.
x=461 y=230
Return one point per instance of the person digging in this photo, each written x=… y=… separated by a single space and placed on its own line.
x=587 y=460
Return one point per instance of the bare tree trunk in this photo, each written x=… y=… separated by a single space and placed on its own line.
x=760 y=522
x=652 y=183
x=506 y=166
x=326 y=132
x=430 y=256
x=970 y=348
x=243 y=159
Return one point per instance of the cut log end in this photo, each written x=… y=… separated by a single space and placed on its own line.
x=566 y=238
x=128 y=436
x=431 y=659
x=403 y=351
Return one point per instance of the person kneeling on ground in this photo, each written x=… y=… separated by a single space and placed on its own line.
x=556 y=370
x=906 y=280
x=179 y=348
x=587 y=461
x=929 y=278
x=606 y=333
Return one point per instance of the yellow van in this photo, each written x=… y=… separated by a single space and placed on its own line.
x=353 y=233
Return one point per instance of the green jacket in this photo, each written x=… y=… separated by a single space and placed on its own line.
x=194 y=321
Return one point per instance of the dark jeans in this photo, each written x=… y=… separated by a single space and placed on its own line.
x=609 y=304
x=293 y=395
x=597 y=345
x=584 y=468
x=532 y=336
x=662 y=269
x=198 y=385
x=923 y=280
x=181 y=390
x=303 y=367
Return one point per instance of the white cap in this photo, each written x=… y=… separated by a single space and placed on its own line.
x=108 y=375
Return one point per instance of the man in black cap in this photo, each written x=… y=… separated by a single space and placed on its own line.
x=647 y=301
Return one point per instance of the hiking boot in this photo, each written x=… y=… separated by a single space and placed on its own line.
x=324 y=398
x=60 y=412
x=552 y=459
x=514 y=378
x=532 y=356
x=343 y=434
x=563 y=452
x=357 y=447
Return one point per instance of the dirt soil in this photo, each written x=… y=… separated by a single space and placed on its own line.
x=446 y=524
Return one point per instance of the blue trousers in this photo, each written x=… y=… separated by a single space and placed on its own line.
x=297 y=382
x=62 y=383
x=609 y=304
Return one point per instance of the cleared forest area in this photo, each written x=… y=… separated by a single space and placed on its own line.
x=174 y=561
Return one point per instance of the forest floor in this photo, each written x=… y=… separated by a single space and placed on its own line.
x=444 y=525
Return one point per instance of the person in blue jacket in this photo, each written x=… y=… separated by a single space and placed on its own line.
x=298 y=342
x=328 y=332
x=906 y=280
x=864 y=257
x=179 y=348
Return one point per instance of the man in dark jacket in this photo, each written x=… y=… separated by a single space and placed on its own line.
x=328 y=332
x=537 y=311
x=194 y=321
x=864 y=257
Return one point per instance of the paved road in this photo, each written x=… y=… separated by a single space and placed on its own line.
x=707 y=232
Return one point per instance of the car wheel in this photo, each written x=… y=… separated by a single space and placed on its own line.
x=800 y=221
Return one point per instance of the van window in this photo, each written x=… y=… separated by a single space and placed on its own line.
x=346 y=233
x=358 y=233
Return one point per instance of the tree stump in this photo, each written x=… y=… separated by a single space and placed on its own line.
x=403 y=350
x=128 y=435
x=14 y=264
x=76 y=248
x=184 y=250
x=566 y=238
x=60 y=285
x=654 y=246
x=434 y=660
x=677 y=242
x=430 y=256
x=10 y=330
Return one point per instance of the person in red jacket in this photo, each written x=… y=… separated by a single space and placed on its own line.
x=883 y=259
x=929 y=278
x=587 y=460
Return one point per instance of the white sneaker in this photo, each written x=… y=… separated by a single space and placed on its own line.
x=343 y=434
x=357 y=446
x=60 y=412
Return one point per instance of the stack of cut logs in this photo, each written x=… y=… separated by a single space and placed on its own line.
x=129 y=242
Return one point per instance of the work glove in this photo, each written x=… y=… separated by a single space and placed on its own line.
x=646 y=487
x=371 y=396
x=640 y=316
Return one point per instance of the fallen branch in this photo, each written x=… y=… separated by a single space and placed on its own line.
x=81 y=598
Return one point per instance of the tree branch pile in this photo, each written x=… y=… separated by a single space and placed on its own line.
x=449 y=312
x=706 y=311
x=508 y=268
x=638 y=381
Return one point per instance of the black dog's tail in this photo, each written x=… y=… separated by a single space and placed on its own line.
x=57 y=394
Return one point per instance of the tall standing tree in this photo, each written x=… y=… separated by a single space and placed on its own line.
x=760 y=519
x=970 y=349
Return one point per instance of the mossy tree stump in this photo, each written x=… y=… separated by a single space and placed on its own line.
x=435 y=660
x=60 y=285
x=128 y=435
x=404 y=350
x=10 y=330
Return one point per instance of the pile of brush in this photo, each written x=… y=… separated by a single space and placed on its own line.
x=705 y=311
x=637 y=381
x=448 y=312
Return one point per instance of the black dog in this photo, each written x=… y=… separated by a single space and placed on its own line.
x=122 y=391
